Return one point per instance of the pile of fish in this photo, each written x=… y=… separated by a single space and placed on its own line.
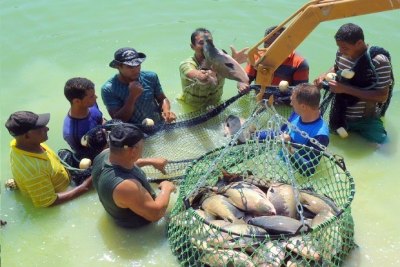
x=251 y=221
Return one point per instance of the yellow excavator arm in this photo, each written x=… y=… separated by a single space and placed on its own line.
x=301 y=24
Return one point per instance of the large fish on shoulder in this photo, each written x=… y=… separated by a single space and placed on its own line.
x=220 y=206
x=248 y=197
x=222 y=63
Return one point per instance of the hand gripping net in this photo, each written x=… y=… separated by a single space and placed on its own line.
x=199 y=237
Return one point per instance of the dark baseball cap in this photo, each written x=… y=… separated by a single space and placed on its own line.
x=127 y=56
x=125 y=135
x=21 y=122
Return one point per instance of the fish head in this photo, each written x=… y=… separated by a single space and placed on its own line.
x=198 y=41
x=209 y=49
x=233 y=124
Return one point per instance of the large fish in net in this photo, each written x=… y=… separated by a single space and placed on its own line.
x=309 y=223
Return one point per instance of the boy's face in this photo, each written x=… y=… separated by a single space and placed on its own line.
x=90 y=98
x=297 y=107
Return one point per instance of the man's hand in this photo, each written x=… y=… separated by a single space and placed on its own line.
x=167 y=186
x=239 y=56
x=87 y=184
x=286 y=137
x=337 y=87
x=318 y=81
x=159 y=164
x=243 y=87
x=135 y=89
x=203 y=75
x=168 y=116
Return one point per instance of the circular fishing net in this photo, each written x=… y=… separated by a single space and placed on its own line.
x=264 y=202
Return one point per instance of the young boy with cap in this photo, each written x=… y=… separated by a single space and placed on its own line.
x=133 y=95
x=122 y=186
x=36 y=168
x=83 y=115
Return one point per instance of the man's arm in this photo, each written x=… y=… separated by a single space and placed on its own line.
x=166 y=112
x=157 y=163
x=379 y=96
x=125 y=112
x=73 y=193
x=301 y=74
x=321 y=77
x=131 y=194
x=380 y=92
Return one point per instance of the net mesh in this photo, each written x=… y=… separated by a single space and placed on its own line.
x=221 y=217
x=197 y=133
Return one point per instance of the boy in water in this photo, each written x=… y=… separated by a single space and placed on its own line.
x=307 y=118
x=83 y=115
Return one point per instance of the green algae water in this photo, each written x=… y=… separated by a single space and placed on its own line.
x=44 y=43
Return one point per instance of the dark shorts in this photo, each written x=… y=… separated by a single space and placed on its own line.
x=371 y=129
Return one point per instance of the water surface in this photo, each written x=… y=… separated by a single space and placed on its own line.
x=44 y=43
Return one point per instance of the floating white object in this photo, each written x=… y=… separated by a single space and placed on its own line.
x=348 y=74
x=85 y=163
x=10 y=184
x=84 y=141
x=283 y=86
x=330 y=76
x=342 y=132
x=148 y=122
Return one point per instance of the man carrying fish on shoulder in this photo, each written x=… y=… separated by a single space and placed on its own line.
x=203 y=75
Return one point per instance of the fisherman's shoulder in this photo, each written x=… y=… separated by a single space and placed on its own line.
x=109 y=83
x=188 y=62
x=148 y=75
x=299 y=60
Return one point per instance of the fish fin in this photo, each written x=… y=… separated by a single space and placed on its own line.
x=230 y=65
x=224 y=51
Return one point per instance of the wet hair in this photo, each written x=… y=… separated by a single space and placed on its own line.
x=307 y=94
x=349 y=33
x=270 y=29
x=197 y=32
x=77 y=88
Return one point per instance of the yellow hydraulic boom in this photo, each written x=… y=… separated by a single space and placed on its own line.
x=301 y=24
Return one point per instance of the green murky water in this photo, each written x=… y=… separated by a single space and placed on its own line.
x=44 y=43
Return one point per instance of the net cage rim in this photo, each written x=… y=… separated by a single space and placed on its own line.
x=339 y=162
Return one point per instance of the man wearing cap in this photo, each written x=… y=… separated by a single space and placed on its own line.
x=37 y=170
x=133 y=95
x=122 y=186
